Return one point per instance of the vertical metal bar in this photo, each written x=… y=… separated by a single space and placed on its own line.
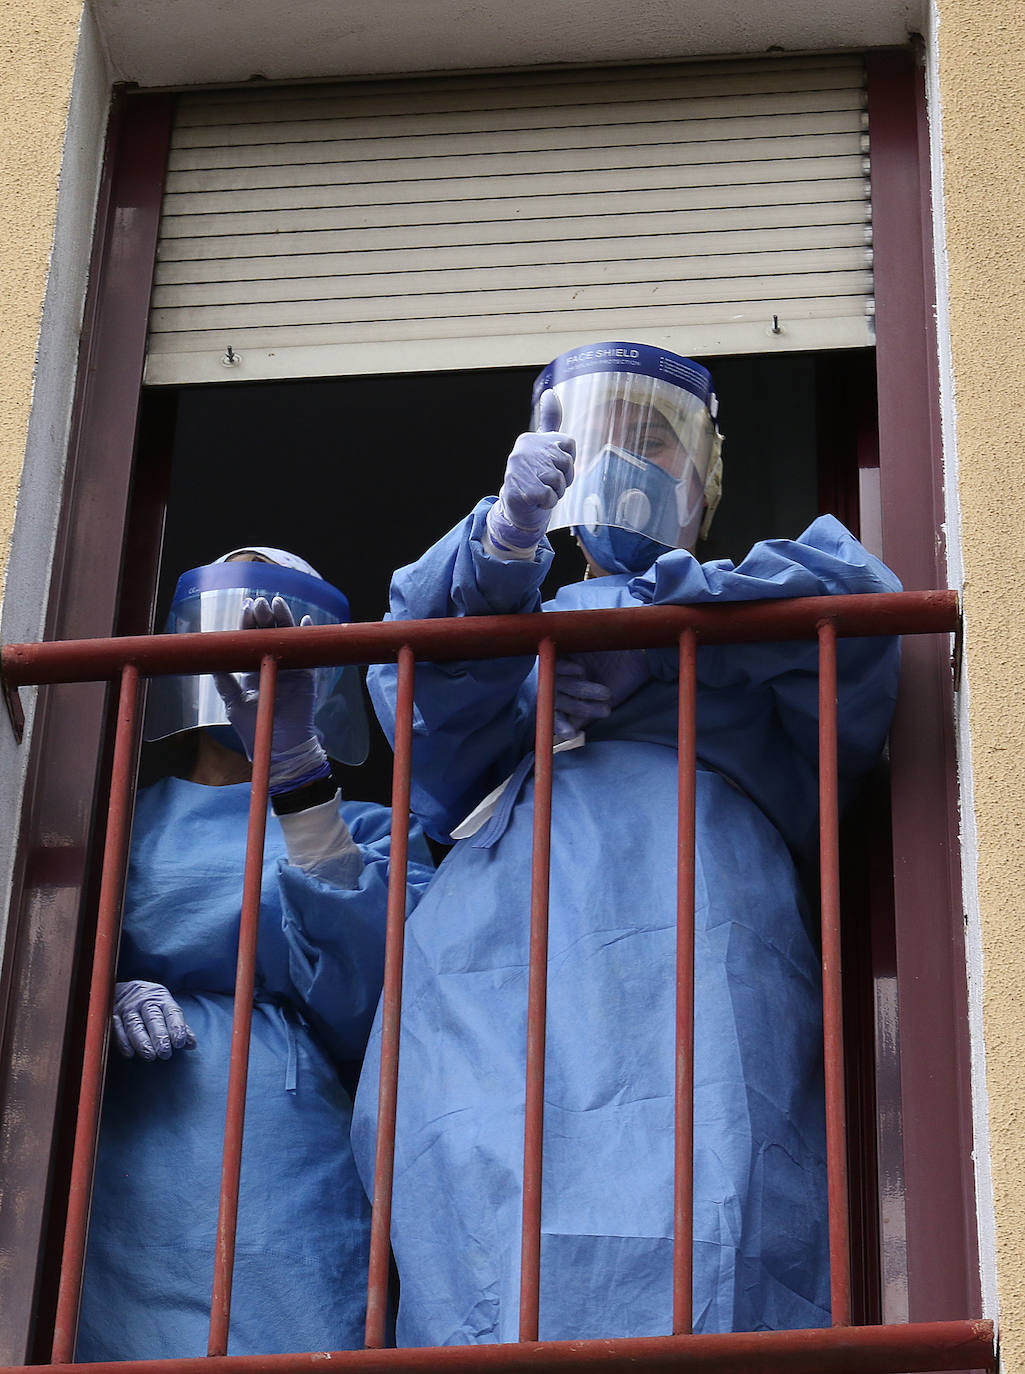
x=832 y=999
x=391 y=1008
x=245 y=977
x=115 y=858
x=537 y=996
x=683 y=1185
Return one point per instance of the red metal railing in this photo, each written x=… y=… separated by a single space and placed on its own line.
x=954 y=1345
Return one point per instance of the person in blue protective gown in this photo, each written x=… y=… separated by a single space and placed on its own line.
x=303 y=1229
x=641 y=438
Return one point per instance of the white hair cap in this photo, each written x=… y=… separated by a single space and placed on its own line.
x=282 y=557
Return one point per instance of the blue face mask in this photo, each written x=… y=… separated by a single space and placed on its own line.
x=619 y=550
x=642 y=497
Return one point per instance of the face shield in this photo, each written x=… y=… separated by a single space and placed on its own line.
x=647 y=443
x=210 y=598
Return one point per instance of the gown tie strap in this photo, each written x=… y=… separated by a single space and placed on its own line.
x=490 y=819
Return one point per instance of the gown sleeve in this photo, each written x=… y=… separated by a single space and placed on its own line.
x=471 y=725
x=335 y=936
x=825 y=560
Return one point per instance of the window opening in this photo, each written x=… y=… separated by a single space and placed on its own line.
x=364 y=473
x=227 y=449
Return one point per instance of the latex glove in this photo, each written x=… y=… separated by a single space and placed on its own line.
x=297 y=757
x=589 y=686
x=537 y=472
x=578 y=701
x=148 y=1022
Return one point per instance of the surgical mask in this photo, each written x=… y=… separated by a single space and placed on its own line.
x=210 y=598
x=628 y=490
x=616 y=550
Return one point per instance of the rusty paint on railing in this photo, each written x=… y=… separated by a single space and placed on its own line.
x=495 y=636
x=915 y=1348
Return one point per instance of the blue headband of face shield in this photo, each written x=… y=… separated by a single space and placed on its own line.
x=211 y=598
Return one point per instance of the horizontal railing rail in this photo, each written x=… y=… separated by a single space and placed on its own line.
x=493 y=636
x=913 y=1348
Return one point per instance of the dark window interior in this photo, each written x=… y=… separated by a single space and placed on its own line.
x=360 y=475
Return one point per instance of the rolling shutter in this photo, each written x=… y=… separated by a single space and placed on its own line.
x=498 y=220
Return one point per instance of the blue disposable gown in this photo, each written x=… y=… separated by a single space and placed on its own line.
x=760 y=1230
x=303 y=1232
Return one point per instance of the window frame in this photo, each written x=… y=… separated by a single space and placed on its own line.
x=54 y=880
x=52 y=883
x=942 y=1269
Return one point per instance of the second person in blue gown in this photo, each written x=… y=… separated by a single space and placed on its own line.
x=303 y=1231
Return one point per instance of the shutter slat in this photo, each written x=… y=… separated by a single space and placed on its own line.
x=198 y=122
x=525 y=186
x=341 y=287
x=438 y=345
x=510 y=301
x=220 y=272
x=303 y=93
x=493 y=236
x=489 y=217
x=845 y=114
x=362 y=215
x=538 y=322
x=711 y=160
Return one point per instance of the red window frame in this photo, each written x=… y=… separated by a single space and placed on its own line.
x=54 y=884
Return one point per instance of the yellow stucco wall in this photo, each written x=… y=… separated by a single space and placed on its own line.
x=37 y=55
x=982 y=79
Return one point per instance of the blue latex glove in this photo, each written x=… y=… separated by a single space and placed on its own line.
x=297 y=757
x=590 y=686
x=148 y=1022
x=537 y=472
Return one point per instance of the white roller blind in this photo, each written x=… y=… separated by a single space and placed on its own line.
x=495 y=221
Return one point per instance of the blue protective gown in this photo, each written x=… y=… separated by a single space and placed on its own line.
x=760 y=1230
x=303 y=1232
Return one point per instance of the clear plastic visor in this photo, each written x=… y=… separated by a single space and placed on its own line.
x=177 y=703
x=645 y=449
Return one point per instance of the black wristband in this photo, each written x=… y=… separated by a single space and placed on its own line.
x=314 y=793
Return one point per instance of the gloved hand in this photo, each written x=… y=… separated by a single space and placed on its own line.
x=149 y=1022
x=589 y=686
x=297 y=757
x=537 y=472
x=578 y=701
